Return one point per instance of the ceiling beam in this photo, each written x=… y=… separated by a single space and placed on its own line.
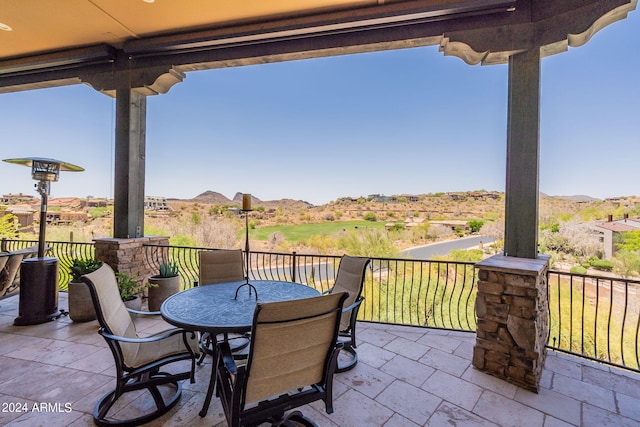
x=481 y=31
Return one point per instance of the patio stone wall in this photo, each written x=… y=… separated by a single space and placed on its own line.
x=513 y=319
x=128 y=255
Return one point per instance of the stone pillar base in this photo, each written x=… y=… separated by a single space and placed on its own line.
x=513 y=319
x=128 y=256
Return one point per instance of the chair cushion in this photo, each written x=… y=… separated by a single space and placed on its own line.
x=150 y=352
x=349 y=279
x=221 y=266
x=290 y=342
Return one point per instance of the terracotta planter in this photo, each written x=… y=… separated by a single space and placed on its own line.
x=162 y=288
x=80 y=303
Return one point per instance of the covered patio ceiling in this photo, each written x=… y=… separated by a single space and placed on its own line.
x=45 y=43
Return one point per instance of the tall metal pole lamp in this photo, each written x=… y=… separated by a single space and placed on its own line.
x=39 y=276
x=246 y=208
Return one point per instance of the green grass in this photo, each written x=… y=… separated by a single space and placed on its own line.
x=294 y=233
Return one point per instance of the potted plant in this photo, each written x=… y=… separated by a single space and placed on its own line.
x=129 y=291
x=163 y=285
x=80 y=304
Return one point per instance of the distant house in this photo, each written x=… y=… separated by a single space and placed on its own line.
x=381 y=198
x=454 y=224
x=94 y=203
x=610 y=228
x=10 y=199
x=24 y=214
x=410 y=197
x=66 y=217
x=456 y=196
x=156 y=203
x=483 y=195
x=347 y=199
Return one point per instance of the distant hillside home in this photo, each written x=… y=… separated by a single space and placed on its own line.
x=66 y=217
x=156 y=203
x=410 y=197
x=453 y=224
x=25 y=215
x=9 y=199
x=483 y=195
x=381 y=198
x=610 y=228
x=457 y=196
x=95 y=203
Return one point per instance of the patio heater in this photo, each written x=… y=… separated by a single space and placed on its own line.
x=39 y=276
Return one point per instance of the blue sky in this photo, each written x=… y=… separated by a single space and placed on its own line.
x=404 y=121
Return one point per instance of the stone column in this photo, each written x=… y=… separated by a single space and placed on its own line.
x=513 y=319
x=128 y=255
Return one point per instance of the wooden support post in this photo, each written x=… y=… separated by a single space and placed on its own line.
x=131 y=111
x=523 y=152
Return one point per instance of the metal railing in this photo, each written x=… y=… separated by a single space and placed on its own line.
x=590 y=316
x=436 y=294
x=595 y=317
x=66 y=252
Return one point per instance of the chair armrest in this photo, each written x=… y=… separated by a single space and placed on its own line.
x=227 y=357
x=145 y=313
x=354 y=305
x=156 y=337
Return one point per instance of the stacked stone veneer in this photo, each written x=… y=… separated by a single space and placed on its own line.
x=513 y=319
x=128 y=256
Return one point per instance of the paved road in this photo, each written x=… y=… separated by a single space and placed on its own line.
x=443 y=248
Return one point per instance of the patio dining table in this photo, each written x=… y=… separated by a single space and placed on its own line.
x=226 y=308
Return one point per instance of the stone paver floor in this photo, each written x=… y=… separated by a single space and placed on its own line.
x=406 y=377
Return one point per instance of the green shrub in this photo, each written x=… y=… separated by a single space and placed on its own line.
x=169 y=269
x=370 y=216
x=475 y=225
x=182 y=240
x=601 y=264
x=578 y=269
x=465 y=255
x=397 y=227
x=80 y=267
x=127 y=286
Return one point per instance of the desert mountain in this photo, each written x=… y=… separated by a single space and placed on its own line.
x=211 y=197
x=214 y=198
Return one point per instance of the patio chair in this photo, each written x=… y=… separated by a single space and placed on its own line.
x=292 y=358
x=138 y=360
x=219 y=266
x=6 y=279
x=10 y=269
x=350 y=279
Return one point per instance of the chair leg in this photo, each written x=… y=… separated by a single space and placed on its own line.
x=294 y=419
x=205 y=345
x=104 y=405
x=346 y=366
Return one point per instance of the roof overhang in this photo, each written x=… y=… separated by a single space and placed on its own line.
x=58 y=42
